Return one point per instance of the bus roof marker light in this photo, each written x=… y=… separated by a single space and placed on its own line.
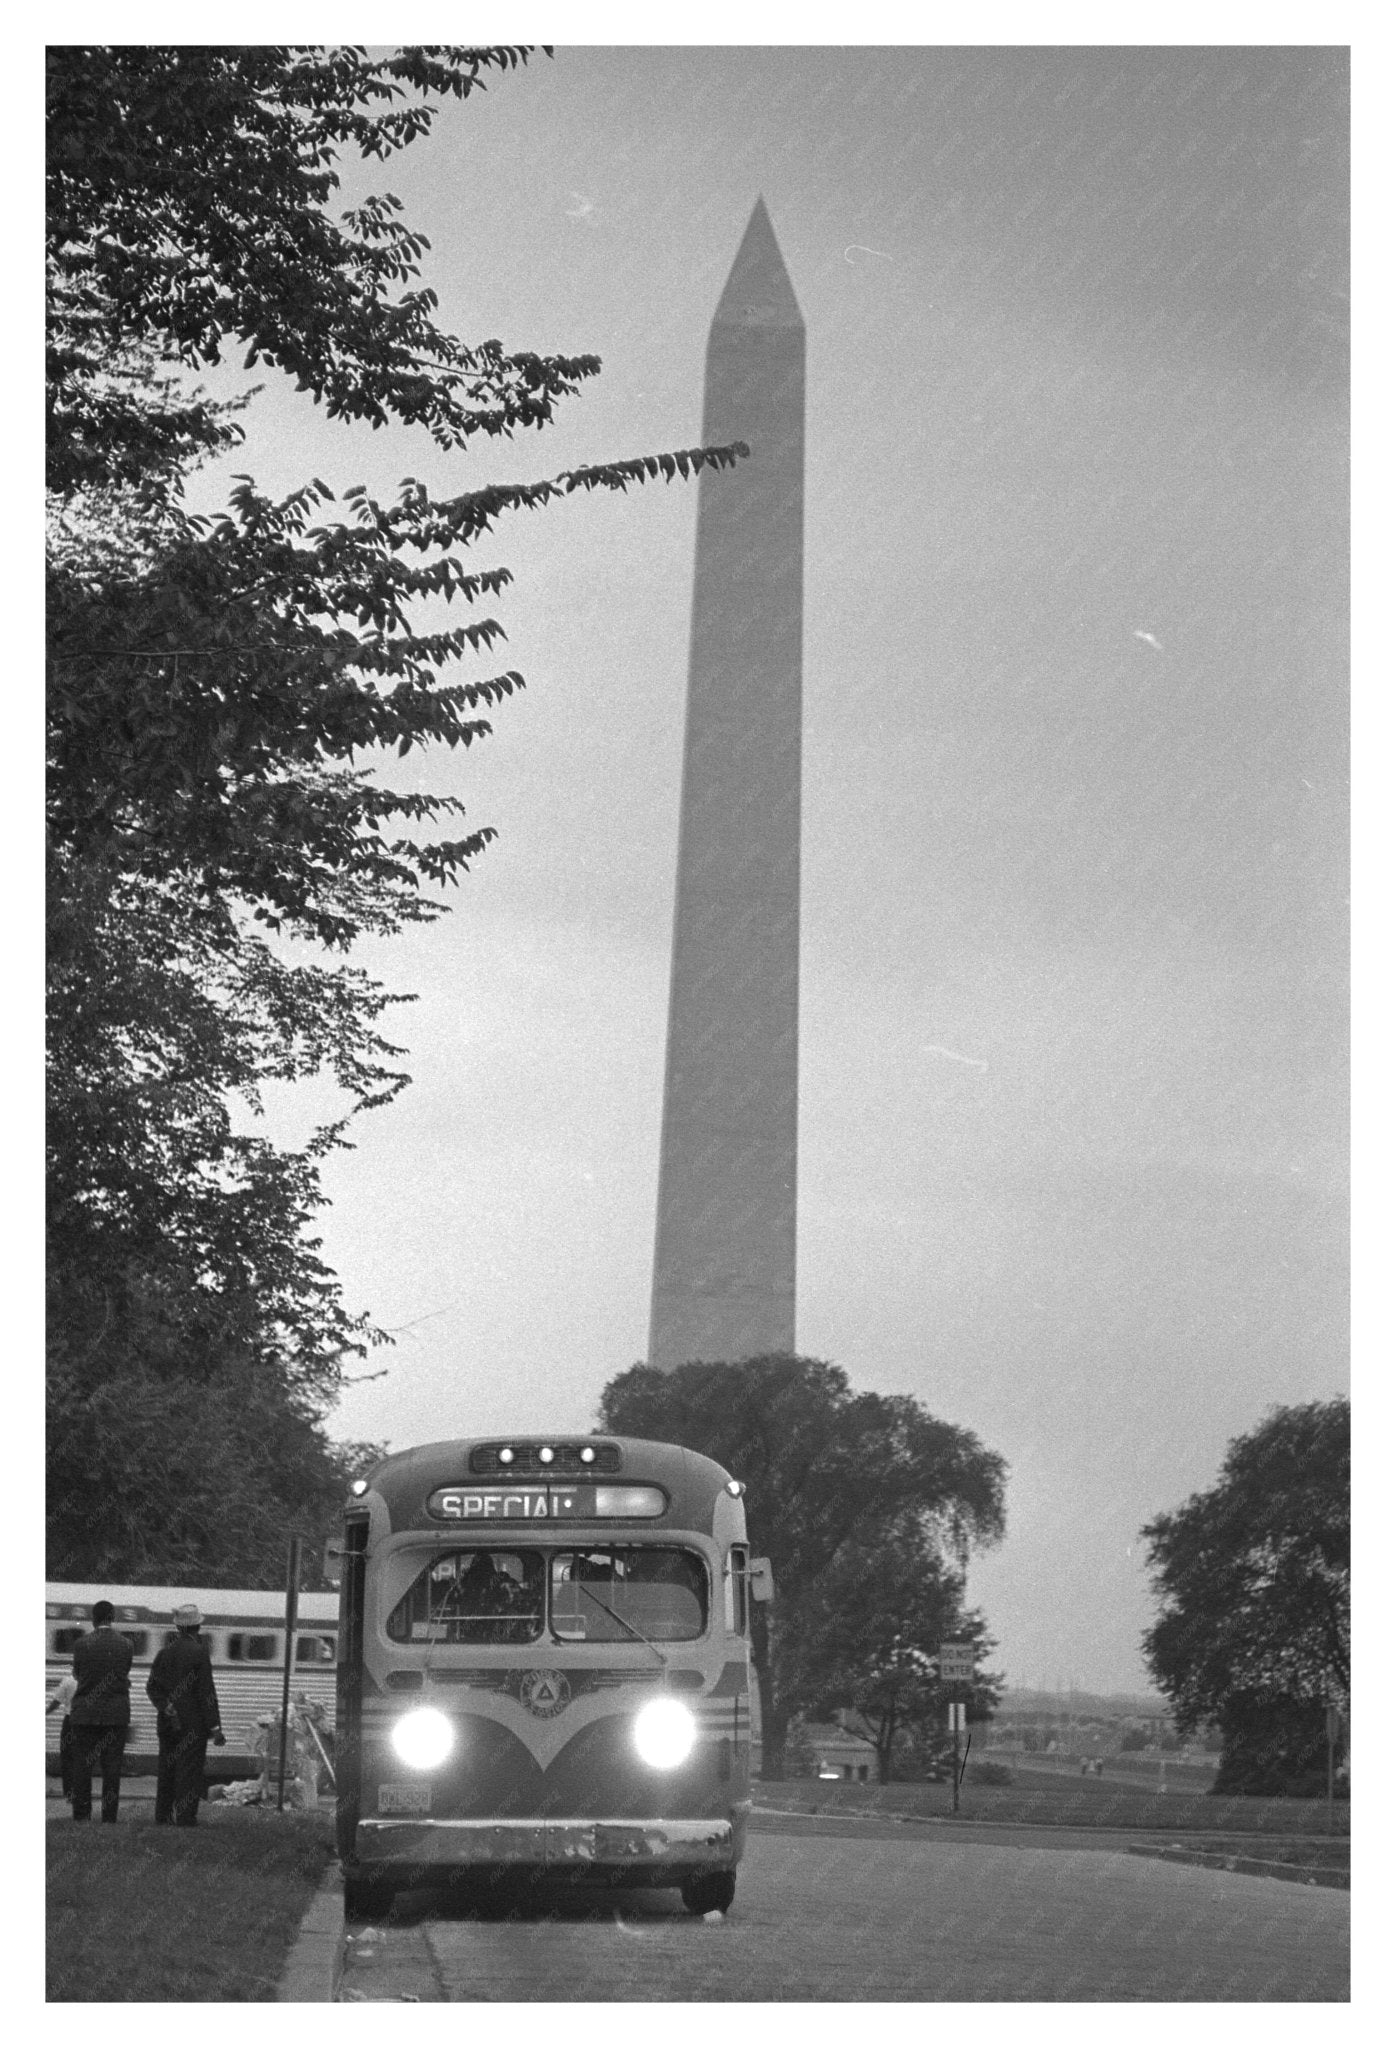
x=735 y=1488
x=506 y=1456
x=588 y=1455
x=545 y=1454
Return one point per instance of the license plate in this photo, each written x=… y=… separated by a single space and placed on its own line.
x=404 y=1799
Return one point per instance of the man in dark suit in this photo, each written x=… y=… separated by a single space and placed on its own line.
x=186 y=1714
x=100 y=1712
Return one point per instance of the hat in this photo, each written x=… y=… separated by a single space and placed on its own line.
x=187 y=1616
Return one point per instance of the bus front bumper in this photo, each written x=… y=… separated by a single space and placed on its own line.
x=680 y=1846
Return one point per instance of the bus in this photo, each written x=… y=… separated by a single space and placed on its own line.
x=544 y=1668
x=246 y=1635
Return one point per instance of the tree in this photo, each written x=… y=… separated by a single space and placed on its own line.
x=172 y=1479
x=869 y=1632
x=1252 y=1578
x=866 y=1504
x=217 y=684
x=223 y=694
x=188 y=196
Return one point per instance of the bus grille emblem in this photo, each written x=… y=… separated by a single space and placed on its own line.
x=544 y=1693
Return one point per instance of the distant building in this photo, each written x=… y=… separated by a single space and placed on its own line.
x=836 y=1751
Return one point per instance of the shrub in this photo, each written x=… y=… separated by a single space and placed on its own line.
x=990 y=1774
x=1273 y=1747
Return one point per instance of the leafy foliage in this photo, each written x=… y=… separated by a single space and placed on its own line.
x=869 y=1635
x=223 y=694
x=1253 y=1581
x=866 y=1504
x=208 y=701
x=177 y=1239
x=1275 y=1747
x=188 y=191
x=188 y=1481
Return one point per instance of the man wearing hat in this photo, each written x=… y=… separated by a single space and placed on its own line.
x=186 y=1715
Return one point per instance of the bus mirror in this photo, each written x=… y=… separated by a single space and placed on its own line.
x=334 y=1561
x=761 y=1579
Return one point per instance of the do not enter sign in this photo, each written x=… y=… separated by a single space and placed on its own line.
x=956 y=1663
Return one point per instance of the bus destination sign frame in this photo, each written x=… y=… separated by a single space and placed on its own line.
x=468 y=1504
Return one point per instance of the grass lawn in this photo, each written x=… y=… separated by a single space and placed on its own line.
x=200 y=1915
x=1058 y=1800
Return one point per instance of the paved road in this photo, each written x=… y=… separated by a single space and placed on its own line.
x=853 y=1913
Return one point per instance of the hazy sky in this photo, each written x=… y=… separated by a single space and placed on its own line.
x=1073 y=980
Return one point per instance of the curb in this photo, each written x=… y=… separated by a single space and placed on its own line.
x=314 y=1966
x=1249 y=1866
x=1225 y=1859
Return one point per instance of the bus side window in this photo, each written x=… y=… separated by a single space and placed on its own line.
x=314 y=1649
x=736 y=1588
x=139 y=1639
x=63 y=1640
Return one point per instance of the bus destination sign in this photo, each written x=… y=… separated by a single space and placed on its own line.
x=545 y=1503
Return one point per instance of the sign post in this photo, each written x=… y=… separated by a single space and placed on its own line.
x=293 y=1597
x=956 y=1670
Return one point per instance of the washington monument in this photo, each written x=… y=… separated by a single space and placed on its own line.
x=724 y=1260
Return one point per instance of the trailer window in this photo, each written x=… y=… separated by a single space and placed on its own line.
x=473 y=1596
x=315 y=1649
x=613 y=1594
x=251 y=1649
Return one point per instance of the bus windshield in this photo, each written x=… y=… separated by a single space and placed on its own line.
x=473 y=1596
x=604 y=1593
x=660 y=1593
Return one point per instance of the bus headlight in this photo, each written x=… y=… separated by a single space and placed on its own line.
x=423 y=1738
x=665 y=1732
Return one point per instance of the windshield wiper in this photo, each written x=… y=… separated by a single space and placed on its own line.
x=606 y=1608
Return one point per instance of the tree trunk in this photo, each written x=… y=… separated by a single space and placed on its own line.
x=775 y=1720
x=775 y=1727
x=885 y=1734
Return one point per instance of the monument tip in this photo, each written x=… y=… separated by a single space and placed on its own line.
x=758 y=291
